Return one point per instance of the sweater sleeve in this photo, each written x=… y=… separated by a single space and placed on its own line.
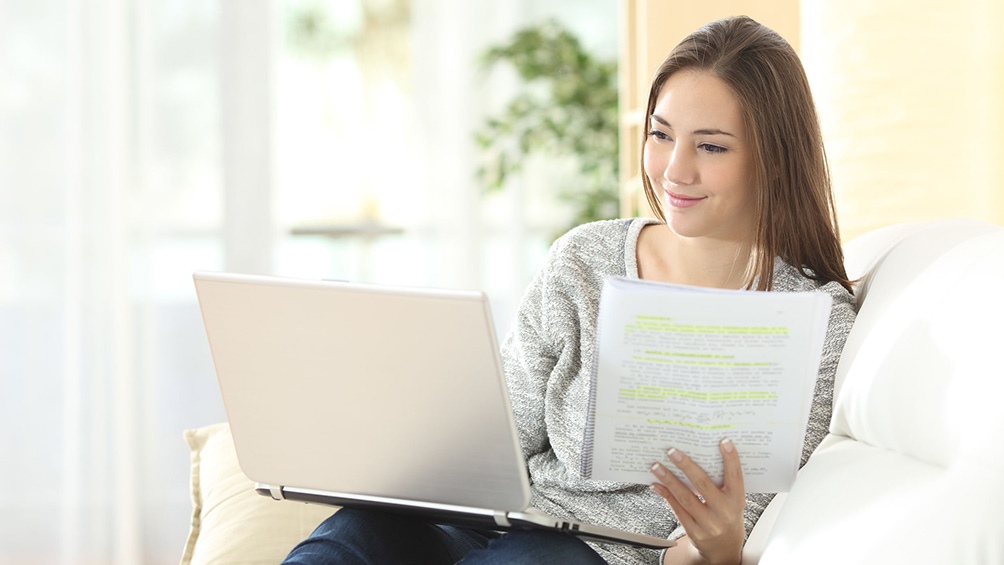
x=528 y=359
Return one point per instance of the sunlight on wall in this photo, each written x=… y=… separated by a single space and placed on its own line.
x=911 y=98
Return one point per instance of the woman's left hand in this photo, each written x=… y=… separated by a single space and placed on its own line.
x=715 y=525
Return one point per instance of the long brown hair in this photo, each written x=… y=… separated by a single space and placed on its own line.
x=794 y=211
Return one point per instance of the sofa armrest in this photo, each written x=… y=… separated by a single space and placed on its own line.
x=231 y=523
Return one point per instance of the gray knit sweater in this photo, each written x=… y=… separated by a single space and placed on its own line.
x=547 y=357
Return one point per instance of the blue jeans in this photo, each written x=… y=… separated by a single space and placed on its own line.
x=360 y=537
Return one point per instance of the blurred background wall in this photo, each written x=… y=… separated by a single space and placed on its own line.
x=911 y=98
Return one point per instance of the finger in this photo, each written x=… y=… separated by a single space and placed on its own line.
x=733 y=469
x=703 y=485
x=677 y=493
x=682 y=515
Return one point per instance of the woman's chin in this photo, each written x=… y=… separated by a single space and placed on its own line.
x=682 y=226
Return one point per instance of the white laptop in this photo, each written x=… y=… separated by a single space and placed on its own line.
x=375 y=397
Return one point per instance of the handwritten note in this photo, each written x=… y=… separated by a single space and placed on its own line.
x=685 y=367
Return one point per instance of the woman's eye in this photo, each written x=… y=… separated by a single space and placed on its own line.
x=713 y=148
x=659 y=135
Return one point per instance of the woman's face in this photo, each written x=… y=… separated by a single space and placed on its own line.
x=698 y=160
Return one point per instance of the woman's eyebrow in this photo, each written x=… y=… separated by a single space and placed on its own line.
x=660 y=120
x=702 y=131
x=712 y=131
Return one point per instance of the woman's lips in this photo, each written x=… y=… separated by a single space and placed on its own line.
x=682 y=201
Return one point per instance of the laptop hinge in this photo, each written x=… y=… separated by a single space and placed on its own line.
x=276 y=492
x=501 y=520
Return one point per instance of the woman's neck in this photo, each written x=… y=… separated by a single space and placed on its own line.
x=667 y=257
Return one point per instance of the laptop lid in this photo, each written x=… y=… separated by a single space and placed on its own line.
x=386 y=392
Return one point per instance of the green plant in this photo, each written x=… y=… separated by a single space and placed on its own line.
x=566 y=106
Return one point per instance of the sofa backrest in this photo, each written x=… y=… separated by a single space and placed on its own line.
x=926 y=336
x=913 y=468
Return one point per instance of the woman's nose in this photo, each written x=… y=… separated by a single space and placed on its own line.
x=681 y=170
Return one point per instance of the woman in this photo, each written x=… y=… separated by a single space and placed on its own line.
x=735 y=169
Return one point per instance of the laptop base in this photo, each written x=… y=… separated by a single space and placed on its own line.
x=467 y=517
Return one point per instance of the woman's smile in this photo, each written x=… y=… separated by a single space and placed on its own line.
x=682 y=201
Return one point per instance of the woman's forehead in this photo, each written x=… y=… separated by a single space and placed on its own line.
x=698 y=101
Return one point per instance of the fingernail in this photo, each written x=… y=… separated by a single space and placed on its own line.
x=658 y=469
x=727 y=445
x=674 y=455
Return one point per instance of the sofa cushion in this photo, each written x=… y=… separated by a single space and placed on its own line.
x=910 y=472
x=857 y=503
x=231 y=523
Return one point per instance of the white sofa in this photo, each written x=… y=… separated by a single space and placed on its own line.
x=913 y=468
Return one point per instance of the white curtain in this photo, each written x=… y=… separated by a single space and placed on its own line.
x=117 y=166
x=136 y=146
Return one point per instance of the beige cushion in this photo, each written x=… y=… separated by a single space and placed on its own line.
x=231 y=523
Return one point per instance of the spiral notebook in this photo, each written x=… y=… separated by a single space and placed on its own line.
x=376 y=397
x=685 y=367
